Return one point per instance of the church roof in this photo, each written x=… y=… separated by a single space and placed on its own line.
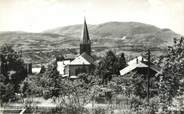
x=138 y=62
x=85 y=35
x=83 y=59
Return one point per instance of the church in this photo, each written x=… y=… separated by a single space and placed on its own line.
x=83 y=63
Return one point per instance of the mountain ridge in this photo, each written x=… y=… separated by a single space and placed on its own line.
x=131 y=33
x=120 y=35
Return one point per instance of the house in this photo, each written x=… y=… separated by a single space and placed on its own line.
x=83 y=63
x=63 y=61
x=36 y=68
x=61 y=66
x=140 y=65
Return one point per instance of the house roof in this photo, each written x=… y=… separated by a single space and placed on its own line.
x=83 y=59
x=69 y=56
x=134 y=61
x=138 y=62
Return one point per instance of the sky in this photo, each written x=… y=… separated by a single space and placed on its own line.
x=40 y=15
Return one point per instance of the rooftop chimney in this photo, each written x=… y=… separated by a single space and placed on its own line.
x=137 y=61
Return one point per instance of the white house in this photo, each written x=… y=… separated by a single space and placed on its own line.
x=139 y=64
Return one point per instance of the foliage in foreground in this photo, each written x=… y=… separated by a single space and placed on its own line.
x=65 y=92
x=172 y=74
x=76 y=93
x=110 y=65
x=12 y=73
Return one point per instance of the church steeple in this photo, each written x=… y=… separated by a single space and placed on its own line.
x=85 y=35
x=85 y=43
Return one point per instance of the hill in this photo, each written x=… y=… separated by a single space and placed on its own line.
x=119 y=35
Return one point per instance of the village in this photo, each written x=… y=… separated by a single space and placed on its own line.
x=81 y=84
x=71 y=65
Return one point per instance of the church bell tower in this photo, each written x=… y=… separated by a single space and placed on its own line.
x=85 y=43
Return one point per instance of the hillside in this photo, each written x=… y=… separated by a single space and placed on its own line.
x=119 y=35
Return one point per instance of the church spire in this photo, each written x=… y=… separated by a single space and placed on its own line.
x=85 y=35
x=85 y=43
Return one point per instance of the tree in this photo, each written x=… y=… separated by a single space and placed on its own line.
x=172 y=75
x=43 y=69
x=6 y=90
x=46 y=84
x=13 y=71
x=31 y=86
x=69 y=95
x=109 y=66
x=50 y=81
x=75 y=95
x=135 y=84
x=132 y=87
x=122 y=61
